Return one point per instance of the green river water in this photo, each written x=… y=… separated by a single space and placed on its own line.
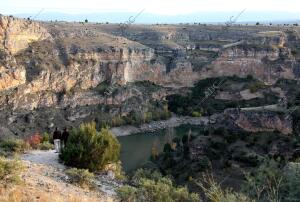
x=136 y=149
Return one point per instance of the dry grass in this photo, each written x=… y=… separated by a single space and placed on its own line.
x=269 y=33
x=30 y=188
x=14 y=195
x=214 y=192
x=74 y=199
x=22 y=194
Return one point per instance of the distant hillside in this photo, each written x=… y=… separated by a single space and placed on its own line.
x=148 y=18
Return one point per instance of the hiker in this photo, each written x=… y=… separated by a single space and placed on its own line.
x=64 y=137
x=56 y=139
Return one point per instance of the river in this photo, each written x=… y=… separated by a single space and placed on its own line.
x=136 y=149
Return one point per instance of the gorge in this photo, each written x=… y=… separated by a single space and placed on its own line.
x=179 y=99
x=62 y=74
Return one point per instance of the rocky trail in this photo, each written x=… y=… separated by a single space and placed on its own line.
x=49 y=158
x=45 y=180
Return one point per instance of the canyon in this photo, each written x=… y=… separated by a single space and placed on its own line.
x=62 y=74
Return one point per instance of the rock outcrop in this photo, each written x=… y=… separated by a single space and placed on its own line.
x=16 y=34
x=62 y=66
x=11 y=75
x=256 y=121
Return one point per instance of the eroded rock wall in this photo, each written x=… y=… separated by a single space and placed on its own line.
x=61 y=65
x=257 y=121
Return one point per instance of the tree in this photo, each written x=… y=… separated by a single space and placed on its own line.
x=154 y=150
x=257 y=23
x=89 y=149
x=86 y=21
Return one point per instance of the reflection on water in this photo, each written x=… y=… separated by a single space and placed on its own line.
x=136 y=149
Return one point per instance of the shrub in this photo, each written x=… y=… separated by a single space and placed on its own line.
x=87 y=148
x=34 y=140
x=154 y=150
x=196 y=114
x=127 y=193
x=152 y=187
x=102 y=88
x=167 y=148
x=45 y=146
x=257 y=86
x=9 y=171
x=46 y=137
x=81 y=177
x=265 y=182
x=291 y=183
x=231 y=137
x=13 y=146
x=214 y=193
x=203 y=163
x=117 y=121
x=144 y=173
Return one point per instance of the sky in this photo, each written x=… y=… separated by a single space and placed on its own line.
x=157 y=7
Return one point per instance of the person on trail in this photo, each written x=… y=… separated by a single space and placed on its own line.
x=65 y=136
x=56 y=139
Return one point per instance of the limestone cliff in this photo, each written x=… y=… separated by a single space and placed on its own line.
x=60 y=67
x=16 y=34
x=11 y=75
x=256 y=121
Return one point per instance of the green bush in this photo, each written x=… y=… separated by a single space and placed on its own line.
x=127 y=193
x=291 y=182
x=9 y=146
x=81 y=177
x=9 y=171
x=117 y=121
x=45 y=146
x=152 y=187
x=265 y=182
x=47 y=137
x=214 y=193
x=273 y=182
x=196 y=114
x=103 y=88
x=147 y=117
x=87 y=148
x=145 y=173
x=256 y=86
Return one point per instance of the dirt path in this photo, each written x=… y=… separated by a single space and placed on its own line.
x=45 y=180
x=49 y=158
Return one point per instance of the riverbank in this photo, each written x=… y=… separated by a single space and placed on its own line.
x=158 y=125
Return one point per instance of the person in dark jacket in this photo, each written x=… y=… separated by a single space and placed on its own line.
x=56 y=139
x=65 y=136
x=56 y=134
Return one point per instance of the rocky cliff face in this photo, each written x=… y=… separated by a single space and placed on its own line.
x=256 y=121
x=238 y=61
x=11 y=75
x=17 y=34
x=62 y=65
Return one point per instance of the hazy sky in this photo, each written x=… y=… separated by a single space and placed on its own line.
x=164 y=7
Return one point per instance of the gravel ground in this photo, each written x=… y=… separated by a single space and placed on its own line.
x=46 y=175
x=49 y=158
